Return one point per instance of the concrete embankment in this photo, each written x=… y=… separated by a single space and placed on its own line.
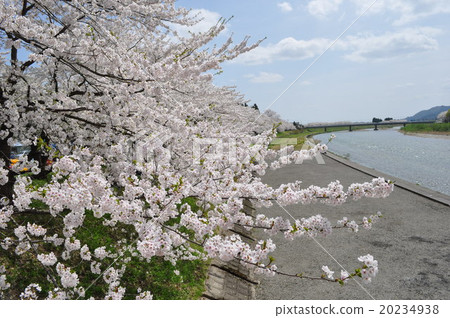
x=411 y=242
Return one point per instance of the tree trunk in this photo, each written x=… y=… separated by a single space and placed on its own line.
x=6 y=190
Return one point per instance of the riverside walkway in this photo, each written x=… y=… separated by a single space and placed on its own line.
x=411 y=242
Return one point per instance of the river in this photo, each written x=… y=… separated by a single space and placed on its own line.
x=421 y=160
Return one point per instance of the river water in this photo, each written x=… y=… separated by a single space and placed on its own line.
x=421 y=160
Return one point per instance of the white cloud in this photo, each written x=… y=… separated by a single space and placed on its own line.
x=390 y=45
x=379 y=6
x=407 y=11
x=401 y=12
x=322 y=8
x=305 y=83
x=424 y=10
x=359 y=48
x=287 y=49
x=206 y=20
x=264 y=77
x=285 y=6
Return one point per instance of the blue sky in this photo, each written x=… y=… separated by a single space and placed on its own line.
x=393 y=62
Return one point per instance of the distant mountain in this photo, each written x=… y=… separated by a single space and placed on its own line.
x=429 y=114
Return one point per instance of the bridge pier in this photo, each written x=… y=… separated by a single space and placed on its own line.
x=325 y=129
x=376 y=127
x=350 y=128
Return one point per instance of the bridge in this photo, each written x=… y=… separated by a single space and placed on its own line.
x=395 y=123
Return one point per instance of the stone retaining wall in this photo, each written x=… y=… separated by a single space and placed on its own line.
x=230 y=280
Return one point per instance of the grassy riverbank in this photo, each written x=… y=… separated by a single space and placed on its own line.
x=166 y=281
x=435 y=128
x=301 y=135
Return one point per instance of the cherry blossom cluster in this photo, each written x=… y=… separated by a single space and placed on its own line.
x=368 y=271
x=68 y=279
x=311 y=227
x=297 y=157
x=328 y=272
x=3 y=173
x=367 y=222
x=36 y=230
x=4 y=285
x=30 y=292
x=351 y=225
x=47 y=259
x=233 y=247
x=333 y=194
x=378 y=188
x=145 y=295
x=112 y=277
x=5 y=216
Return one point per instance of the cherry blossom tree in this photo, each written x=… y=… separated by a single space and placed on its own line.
x=141 y=142
x=276 y=119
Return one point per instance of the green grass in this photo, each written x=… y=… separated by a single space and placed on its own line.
x=435 y=127
x=157 y=276
x=302 y=134
x=164 y=284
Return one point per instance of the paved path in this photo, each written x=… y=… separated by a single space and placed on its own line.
x=411 y=243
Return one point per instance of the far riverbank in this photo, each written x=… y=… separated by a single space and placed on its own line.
x=429 y=134
x=429 y=128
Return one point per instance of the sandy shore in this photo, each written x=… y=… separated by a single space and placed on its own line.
x=431 y=134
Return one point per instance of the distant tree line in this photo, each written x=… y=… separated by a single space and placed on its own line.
x=298 y=126
x=378 y=120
